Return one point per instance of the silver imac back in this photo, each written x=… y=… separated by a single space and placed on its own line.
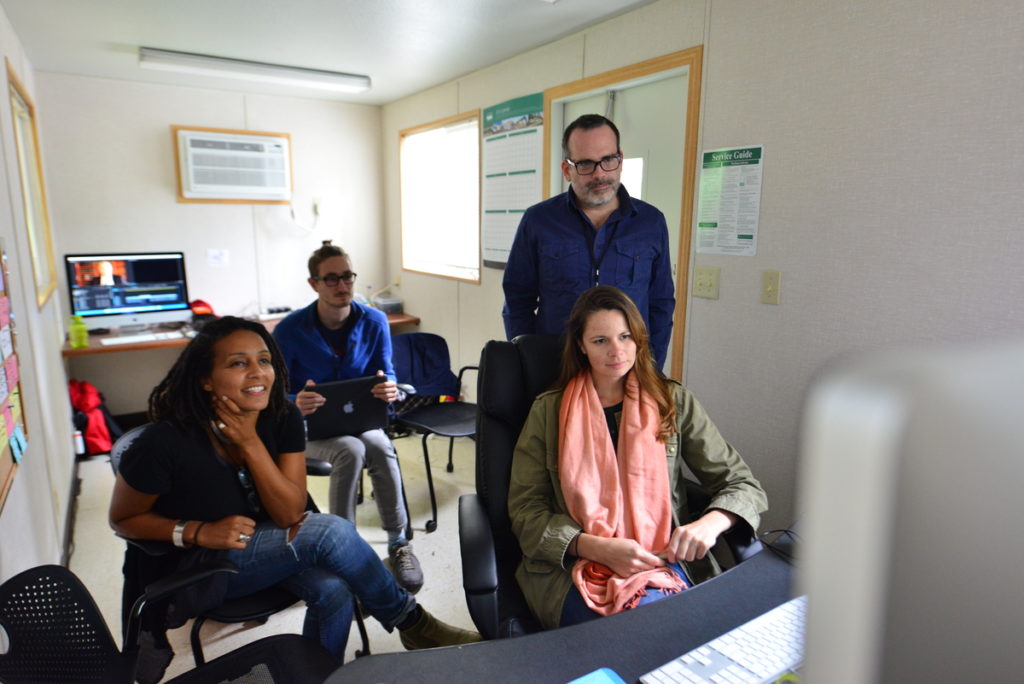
x=910 y=499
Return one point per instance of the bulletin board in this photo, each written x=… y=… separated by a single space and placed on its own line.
x=13 y=436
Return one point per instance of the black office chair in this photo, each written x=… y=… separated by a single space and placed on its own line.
x=422 y=361
x=256 y=607
x=56 y=633
x=511 y=375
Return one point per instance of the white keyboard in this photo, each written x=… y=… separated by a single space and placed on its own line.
x=141 y=337
x=757 y=651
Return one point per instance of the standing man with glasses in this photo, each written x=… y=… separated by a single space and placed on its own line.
x=592 y=234
x=336 y=338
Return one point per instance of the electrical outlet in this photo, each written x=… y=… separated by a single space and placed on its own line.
x=705 y=281
x=771 y=283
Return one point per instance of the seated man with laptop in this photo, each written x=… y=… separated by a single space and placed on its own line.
x=337 y=339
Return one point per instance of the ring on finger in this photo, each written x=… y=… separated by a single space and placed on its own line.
x=244 y=537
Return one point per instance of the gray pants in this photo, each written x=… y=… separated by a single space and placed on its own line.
x=348 y=455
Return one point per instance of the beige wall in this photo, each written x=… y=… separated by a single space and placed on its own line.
x=890 y=204
x=113 y=188
x=33 y=520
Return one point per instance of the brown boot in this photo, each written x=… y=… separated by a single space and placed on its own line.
x=429 y=632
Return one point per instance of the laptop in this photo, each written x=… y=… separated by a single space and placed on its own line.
x=350 y=409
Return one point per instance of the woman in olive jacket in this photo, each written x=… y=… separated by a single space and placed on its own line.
x=607 y=348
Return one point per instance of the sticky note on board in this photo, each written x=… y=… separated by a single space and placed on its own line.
x=3 y=384
x=18 y=444
x=6 y=341
x=8 y=420
x=11 y=369
x=5 y=312
x=14 y=404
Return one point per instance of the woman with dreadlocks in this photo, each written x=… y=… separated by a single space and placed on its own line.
x=221 y=473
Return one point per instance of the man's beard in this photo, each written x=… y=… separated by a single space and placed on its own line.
x=591 y=200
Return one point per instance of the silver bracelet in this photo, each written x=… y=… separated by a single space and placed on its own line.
x=177 y=535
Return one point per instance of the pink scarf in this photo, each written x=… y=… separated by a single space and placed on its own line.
x=625 y=496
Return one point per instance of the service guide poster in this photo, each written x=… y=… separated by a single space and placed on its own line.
x=730 y=200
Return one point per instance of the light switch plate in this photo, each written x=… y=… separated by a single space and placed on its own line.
x=705 y=281
x=771 y=283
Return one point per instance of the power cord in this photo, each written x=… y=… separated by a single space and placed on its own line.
x=782 y=543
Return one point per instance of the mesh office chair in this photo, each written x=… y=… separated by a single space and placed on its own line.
x=422 y=361
x=56 y=633
x=257 y=607
x=511 y=375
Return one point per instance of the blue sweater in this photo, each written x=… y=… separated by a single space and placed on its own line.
x=308 y=356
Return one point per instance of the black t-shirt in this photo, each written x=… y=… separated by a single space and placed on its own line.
x=190 y=480
x=612 y=414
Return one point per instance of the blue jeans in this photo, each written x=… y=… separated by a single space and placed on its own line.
x=326 y=565
x=575 y=610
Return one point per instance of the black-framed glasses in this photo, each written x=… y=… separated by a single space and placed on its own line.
x=585 y=167
x=332 y=279
x=251 y=498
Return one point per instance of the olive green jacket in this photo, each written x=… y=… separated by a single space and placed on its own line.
x=542 y=524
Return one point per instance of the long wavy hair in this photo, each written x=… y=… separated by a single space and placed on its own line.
x=180 y=397
x=574 y=361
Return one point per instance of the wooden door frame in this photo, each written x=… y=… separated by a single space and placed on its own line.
x=692 y=58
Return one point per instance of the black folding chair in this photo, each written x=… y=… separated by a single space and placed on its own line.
x=422 y=361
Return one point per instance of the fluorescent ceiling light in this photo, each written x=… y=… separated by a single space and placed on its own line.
x=240 y=69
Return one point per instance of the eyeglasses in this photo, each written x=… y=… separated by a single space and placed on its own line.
x=585 y=167
x=250 y=491
x=331 y=279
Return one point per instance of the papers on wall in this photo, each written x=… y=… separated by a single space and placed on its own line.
x=730 y=200
x=513 y=151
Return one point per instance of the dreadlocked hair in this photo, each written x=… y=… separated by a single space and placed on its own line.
x=180 y=397
x=574 y=361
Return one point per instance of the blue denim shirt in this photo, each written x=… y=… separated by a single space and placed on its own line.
x=557 y=254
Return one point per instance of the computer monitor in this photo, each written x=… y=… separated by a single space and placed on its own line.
x=911 y=472
x=129 y=290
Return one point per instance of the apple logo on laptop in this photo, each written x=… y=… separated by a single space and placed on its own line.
x=349 y=407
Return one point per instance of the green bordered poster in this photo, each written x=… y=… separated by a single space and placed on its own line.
x=513 y=151
x=730 y=200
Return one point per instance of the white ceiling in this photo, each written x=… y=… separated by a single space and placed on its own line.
x=403 y=45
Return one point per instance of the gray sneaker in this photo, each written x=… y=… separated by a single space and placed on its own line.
x=405 y=567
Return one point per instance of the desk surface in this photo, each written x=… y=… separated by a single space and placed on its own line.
x=96 y=347
x=631 y=643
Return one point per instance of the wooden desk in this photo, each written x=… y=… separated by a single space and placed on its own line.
x=97 y=347
x=126 y=379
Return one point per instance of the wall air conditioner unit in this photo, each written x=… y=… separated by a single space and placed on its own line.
x=220 y=165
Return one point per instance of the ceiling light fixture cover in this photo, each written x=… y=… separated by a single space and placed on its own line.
x=208 y=65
